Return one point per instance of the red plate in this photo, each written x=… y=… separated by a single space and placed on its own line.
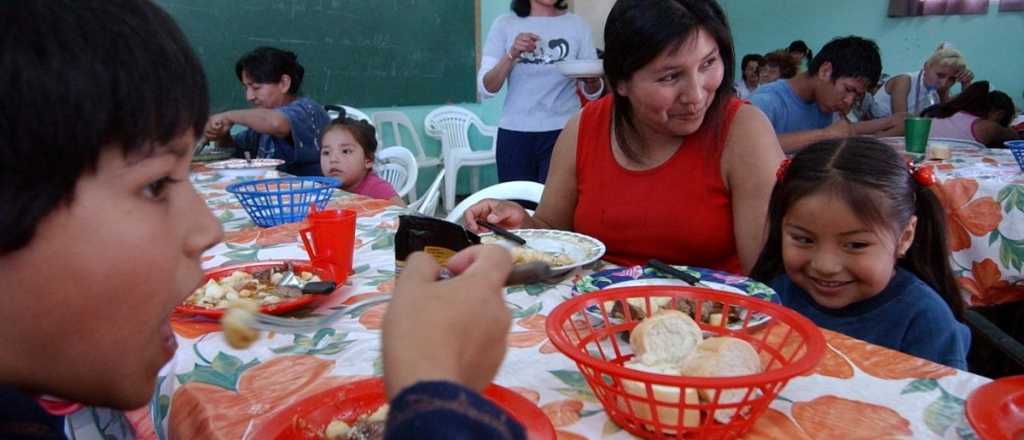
x=309 y=417
x=996 y=410
x=274 y=309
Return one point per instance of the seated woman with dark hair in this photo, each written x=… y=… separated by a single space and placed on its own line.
x=776 y=65
x=976 y=114
x=746 y=85
x=283 y=125
x=670 y=165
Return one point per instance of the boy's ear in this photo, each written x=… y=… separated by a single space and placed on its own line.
x=907 y=237
x=825 y=71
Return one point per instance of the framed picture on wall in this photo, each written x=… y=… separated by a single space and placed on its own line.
x=916 y=8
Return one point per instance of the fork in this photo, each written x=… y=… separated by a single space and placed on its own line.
x=263 y=321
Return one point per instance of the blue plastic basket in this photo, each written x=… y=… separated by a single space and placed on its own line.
x=271 y=202
x=1017 y=148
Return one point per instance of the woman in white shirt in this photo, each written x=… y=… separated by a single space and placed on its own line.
x=912 y=92
x=522 y=49
x=748 y=82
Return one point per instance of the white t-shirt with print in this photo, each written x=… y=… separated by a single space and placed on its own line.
x=539 y=97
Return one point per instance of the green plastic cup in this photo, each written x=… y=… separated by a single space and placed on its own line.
x=915 y=134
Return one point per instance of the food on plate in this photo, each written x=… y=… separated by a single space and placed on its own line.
x=672 y=343
x=236 y=324
x=711 y=312
x=523 y=254
x=259 y=287
x=367 y=427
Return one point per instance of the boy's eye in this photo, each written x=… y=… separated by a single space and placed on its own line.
x=157 y=189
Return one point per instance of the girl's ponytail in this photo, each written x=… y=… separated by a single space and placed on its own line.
x=928 y=256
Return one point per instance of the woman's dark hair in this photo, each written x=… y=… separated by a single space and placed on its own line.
x=751 y=57
x=522 y=7
x=852 y=57
x=265 y=65
x=637 y=31
x=977 y=100
x=800 y=46
x=781 y=59
x=80 y=77
x=874 y=181
x=363 y=132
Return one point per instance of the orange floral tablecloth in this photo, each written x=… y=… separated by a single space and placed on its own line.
x=982 y=192
x=210 y=390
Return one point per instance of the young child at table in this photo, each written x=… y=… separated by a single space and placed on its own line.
x=103 y=233
x=347 y=150
x=857 y=243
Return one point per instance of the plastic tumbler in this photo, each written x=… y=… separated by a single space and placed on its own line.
x=915 y=134
x=329 y=240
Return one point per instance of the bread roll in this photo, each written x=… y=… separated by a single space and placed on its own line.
x=723 y=356
x=668 y=337
x=664 y=394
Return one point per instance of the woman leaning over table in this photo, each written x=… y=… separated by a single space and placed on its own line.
x=671 y=165
x=282 y=124
x=912 y=92
x=523 y=49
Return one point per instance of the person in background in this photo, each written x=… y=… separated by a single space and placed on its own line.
x=857 y=244
x=95 y=161
x=912 y=92
x=749 y=81
x=976 y=114
x=776 y=65
x=671 y=165
x=522 y=49
x=282 y=125
x=347 y=149
x=802 y=109
x=801 y=54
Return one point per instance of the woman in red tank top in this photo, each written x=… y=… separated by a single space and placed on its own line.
x=670 y=165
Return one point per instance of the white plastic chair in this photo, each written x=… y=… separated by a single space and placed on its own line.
x=451 y=125
x=396 y=121
x=352 y=112
x=397 y=165
x=514 y=190
x=427 y=205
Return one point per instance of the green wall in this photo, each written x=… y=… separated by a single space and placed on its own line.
x=992 y=43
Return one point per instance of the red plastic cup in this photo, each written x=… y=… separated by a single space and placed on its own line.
x=329 y=240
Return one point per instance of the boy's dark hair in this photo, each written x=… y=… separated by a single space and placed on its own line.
x=363 y=132
x=637 y=31
x=800 y=46
x=977 y=100
x=751 y=57
x=266 y=65
x=78 y=77
x=787 y=67
x=522 y=7
x=852 y=57
x=874 y=181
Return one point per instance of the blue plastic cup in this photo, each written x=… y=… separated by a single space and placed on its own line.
x=1017 y=148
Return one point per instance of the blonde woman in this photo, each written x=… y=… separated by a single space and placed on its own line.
x=912 y=92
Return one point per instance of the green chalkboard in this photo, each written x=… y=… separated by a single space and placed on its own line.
x=364 y=53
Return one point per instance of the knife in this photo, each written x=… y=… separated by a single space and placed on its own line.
x=676 y=273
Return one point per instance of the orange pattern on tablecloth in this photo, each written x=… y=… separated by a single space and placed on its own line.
x=200 y=410
x=884 y=363
x=988 y=285
x=830 y=417
x=191 y=327
x=774 y=425
x=978 y=217
x=281 y=234
x=563 y=412
x=373 y=317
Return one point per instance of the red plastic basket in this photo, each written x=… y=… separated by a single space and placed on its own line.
x=649 y=404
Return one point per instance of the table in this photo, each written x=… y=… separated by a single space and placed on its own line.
x=212 y=391
x=982 y=192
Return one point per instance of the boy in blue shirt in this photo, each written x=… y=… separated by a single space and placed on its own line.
x=812 y=106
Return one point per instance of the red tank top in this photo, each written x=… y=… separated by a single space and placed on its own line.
x=679 y=212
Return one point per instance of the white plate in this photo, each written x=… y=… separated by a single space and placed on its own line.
x=581 y=68
x=242 y=167
x=581 y=248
